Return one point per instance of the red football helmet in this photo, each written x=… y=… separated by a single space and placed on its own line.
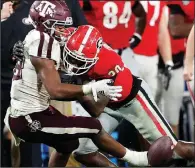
x=81 y=50
x=47 y=14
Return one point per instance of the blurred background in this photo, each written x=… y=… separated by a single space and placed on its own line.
x=151 y=40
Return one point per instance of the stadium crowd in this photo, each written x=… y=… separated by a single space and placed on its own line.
x=155 y=41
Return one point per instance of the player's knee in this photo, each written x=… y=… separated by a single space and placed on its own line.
x=94 y=123
x=86 y=146
x=173 y=121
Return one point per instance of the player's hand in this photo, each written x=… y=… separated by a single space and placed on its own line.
x=135 y=40
x=103 y=87
x=167 y=74
x=188 y=72
x=7 y=10
x=18 y=51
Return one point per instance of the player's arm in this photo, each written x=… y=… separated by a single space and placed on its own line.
x=164 y=44
x=92 y=107
x=190 y=47
x=177 y=25
x=50 y=78
x=140 y=23
x=140 y=14
x=78 y=15
x=87 y=5
x=189 y=58
x=164 y=41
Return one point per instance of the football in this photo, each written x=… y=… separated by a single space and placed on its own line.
x=160 y=152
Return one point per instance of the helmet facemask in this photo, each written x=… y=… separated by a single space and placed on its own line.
x=76 y=63
x=51 y=24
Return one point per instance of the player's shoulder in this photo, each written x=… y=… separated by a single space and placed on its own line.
x=108 y=57
x=35 y=36
x=40 y=44
x=107 y=53
x=107 y=62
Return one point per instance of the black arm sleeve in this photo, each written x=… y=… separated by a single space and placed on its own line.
x=78 y=15
x=176 y=9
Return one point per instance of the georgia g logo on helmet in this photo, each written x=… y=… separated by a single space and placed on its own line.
x=99 y=43
x=46 y=8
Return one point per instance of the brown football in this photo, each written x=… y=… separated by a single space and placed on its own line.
x=161 y=151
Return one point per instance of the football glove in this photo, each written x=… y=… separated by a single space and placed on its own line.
x=18 y=51
x=167 y=74
x=135 y=40
x=103 y=87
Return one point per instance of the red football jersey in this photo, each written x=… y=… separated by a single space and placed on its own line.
x=187 y=7
x=114 y=21
x=149 y=43
x=111 y=66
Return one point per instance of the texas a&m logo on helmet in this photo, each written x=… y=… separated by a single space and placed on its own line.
x=45 y=8
x=46 y=15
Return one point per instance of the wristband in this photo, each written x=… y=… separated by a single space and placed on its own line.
x=169 y=62
x=86 y=89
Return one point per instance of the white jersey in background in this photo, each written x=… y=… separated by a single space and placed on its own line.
x=28 y=94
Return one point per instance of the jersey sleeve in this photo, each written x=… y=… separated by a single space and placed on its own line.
x=111 y=66
x=39 y=44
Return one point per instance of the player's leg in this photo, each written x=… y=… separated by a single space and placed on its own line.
x=159 y=93
x=172 y=99
x=185 y=150
x=148 y=70
x=61 y=132
x=15 y=153
x=96 y=159
x=127 y=57
x=147 y=118
x=151 y=77
x=87 y=153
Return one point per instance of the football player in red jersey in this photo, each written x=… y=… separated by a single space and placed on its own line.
x=82 y=60
x=121 y=24
x=180 y=23
x=114 y=19
x=136 y=104
x=155 y=35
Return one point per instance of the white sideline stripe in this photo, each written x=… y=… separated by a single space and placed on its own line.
x=157 y=117
x=85 y=39
x=72 y=130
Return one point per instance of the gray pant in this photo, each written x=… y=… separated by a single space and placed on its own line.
x=170 y=101
x=142 y=112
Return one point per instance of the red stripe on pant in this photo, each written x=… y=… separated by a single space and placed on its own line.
x=147 y=110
